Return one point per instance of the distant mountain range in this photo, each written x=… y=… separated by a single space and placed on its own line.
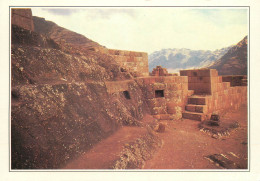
x=234 y=62
x=231 y=59
x=176 y=59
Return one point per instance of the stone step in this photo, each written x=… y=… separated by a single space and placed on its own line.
x=193 y=116
x=197 y=100
x=196 y=108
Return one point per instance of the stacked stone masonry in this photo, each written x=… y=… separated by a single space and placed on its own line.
x=172 y=100
x=193 y=95
x=22 y=18
x=235 y=80
x=196 y=94
x=211 y=94
x=135 y=62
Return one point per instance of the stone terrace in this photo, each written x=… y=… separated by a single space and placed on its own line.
x=211 y=94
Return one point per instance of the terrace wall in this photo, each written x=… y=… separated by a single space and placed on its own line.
x=219 y=96
x=172 y=98
x=23 y=18
x=135 y=62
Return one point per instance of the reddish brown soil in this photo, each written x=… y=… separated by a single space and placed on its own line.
x=104 y=154
x=185 y=147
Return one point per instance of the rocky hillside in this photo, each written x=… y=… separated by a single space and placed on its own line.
x=176 y=59
x=70 y=41
x=60 y=106
x=234 y=62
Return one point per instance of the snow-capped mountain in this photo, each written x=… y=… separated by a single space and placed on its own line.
x=176 y=59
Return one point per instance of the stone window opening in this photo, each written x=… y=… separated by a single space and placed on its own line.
x=195 y=74
x=159 y=93
x=126 y=94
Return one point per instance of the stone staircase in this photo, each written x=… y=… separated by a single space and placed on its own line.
x=197 y=108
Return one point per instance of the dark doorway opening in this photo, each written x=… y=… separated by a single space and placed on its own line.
x=126 y=94
x=159 y=93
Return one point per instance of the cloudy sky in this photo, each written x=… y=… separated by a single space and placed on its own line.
x=152 y=29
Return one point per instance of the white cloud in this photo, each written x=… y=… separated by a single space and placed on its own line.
x=151 y=29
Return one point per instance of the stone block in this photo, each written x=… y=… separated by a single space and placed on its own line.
x=203 y=72
x=156 y=102
x=190 y=108
x=226 y=85
x=191 y=79
x=185 y=79
x=192 y=86
x=159 y=79
x=183 y=73
x=173 y=94
x=159 y=86
x=174 y=86
x=197 y=100
x=22 y=17
x=213 y=73
x=149 y=95
x=203 y=88
x=201 y=109
x=192 y=116
x=214 y=80
x=220 y=79
x=206 y=80
x=146 y=80
x=180 y=79
x=152 y=80
x=184 y=86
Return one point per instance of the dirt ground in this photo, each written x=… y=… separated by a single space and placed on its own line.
x=185 y=147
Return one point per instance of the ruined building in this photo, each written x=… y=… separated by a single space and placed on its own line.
x=68 y=95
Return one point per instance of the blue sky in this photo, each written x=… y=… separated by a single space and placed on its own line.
x=152 y=29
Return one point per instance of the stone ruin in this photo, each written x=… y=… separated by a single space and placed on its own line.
x=159 y=71
x=23 y=18
x=195 y=95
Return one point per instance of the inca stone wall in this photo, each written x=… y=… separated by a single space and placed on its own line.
x=166 y=96
x=22 y=18
x=135 y=62
x=63 y=103
x=211 y=94
x=235 y=80
x=200 y=79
